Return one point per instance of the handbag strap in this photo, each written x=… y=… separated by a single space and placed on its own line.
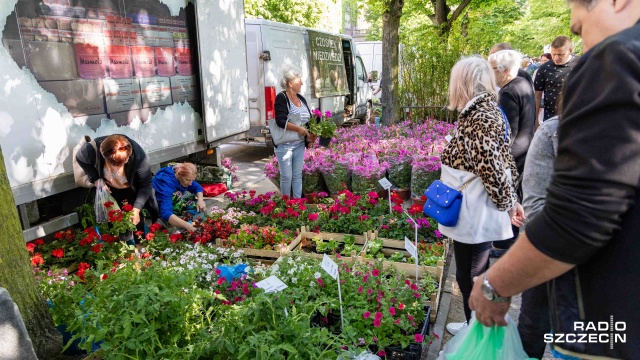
x=506 y=123
x=464 y=186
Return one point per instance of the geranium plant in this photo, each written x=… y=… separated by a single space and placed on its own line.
x=321 y=124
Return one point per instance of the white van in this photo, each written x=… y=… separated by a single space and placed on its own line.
x=271 y=45
x=371 y=53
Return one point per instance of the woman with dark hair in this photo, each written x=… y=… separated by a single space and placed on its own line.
x=125 y=172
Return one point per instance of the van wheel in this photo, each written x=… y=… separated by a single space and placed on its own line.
x=367 y=115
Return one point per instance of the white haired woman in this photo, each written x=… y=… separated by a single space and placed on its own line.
x=291 y=155
x=478 y=159
x=517 y=99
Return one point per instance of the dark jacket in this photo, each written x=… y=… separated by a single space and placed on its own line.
x=525 y=75
x=165 y=184
x=282 y=109
x=519 y=104
x=592 y=214
x=137 y=169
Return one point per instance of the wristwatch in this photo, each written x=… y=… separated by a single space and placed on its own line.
x=489 y=292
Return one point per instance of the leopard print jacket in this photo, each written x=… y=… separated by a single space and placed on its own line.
x=479 y=147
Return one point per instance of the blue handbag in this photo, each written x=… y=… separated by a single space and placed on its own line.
x=443 y=202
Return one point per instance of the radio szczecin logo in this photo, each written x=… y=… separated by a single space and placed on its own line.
x=600 y=332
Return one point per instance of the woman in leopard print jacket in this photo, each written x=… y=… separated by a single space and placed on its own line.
x=479 y=156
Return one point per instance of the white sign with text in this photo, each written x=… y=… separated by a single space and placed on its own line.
x=410 y=247
x=329 y=266
x=271 y=284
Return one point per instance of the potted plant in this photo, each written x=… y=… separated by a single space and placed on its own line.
x=321 y=125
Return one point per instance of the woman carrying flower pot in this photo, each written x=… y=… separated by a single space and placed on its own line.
x=177 y=193
x=478 y=162
x=122 y=168
x=291 y=155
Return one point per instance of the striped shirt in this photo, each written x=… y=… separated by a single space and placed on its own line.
x=304 y=116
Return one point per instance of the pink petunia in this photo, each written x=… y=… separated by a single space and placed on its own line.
x=313 y=216
x=397 y=322
x=375 y=272
x=359 y=289
x=392 y=311
x=377 y=322
x=382 y=353
x=401 y=306
x=378 y=315
x=366 y=314
x=418 y=337
x=416 y=295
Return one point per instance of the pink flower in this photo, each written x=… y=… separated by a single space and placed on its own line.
x=359 y=289
x=377 y=322
x=418 y=337
x=392 y=311
x=407 y=281
x=410 y=317
x=313 y=216
x=436 y=335
x=438 y=234
x=220 y=281
x=381 y=353
x=319 y=280
x=366 y=315
x=416 y=295
x=378 y=315
x=414 y=287
x=397 y=322
x=401 y=306
x=375 y=272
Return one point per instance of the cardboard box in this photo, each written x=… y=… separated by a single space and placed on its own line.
x=155 y=91
x=183 y=88
x=51 y=60
x=122 y=95
x=81 y=97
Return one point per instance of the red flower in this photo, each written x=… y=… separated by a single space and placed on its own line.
x=39 y=242
x=150 y=236
x=59 y=253
x=81 y=269
x=96 y=248
x=127 y=207
x=108 y=239
x=175 y=237
x=108 y=204
x=382 y=353
x=423 y=198
x=397 y=208
x=155 y=227
x=373 y=195
x=401 y=306
x=397 y=322
x=104 y=277
x=37 y=260
x=31 y=246
x=313 y=216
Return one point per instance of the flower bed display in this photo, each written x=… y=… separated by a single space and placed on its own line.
x=261 y=242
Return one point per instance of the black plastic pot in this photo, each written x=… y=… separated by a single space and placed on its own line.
x=325 y=141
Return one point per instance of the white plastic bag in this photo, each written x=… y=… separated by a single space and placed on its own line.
x=477 y=341
x=103 y=196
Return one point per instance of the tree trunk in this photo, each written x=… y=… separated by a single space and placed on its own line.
x=16 y=276
x=390 y=58
x=441 y=18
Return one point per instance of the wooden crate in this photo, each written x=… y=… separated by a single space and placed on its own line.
x=307 y=234
x=267 y=254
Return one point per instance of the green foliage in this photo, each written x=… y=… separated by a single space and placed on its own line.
x=321 y=14
x=349 y=245
x=326 y=247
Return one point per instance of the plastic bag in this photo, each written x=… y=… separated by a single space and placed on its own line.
x=477 y=341
x=103 y=196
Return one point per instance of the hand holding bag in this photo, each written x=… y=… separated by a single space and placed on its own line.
x=443 y=202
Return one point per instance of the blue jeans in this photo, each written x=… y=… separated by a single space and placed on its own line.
x=290 y=160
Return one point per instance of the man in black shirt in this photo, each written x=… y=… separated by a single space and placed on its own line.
x=552 y=74
x=587 y=236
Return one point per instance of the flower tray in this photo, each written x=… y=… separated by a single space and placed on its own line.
x=307 y=235
x=391 y=246
x=266 y=254
x=413 y=351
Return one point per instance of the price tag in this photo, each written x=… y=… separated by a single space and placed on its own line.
x=271 y=284
x=386 y=184
x=329 y=266
x=448 y=138
x=410 y=247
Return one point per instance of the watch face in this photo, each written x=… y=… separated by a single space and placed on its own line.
x=487 y=292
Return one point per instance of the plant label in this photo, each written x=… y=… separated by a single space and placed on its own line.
x=271 y=284
x=410 y=247
x=386 y=184
x=448 y=138
x=329 y=266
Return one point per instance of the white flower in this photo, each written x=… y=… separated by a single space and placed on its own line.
x=317 y=275
x=312 y=284
x=291 y=271
x=294 y=280
x=164 y=264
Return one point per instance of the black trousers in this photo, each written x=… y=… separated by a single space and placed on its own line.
x=534 y=320
x=471 y=260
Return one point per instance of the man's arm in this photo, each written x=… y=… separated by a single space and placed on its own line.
x=538 y=102
x=521 y=268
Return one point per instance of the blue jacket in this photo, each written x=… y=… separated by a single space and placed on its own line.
x=165 y=184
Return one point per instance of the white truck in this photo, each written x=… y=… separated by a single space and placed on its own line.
x=170 y=74
x=371 y=53
x=333 y=74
